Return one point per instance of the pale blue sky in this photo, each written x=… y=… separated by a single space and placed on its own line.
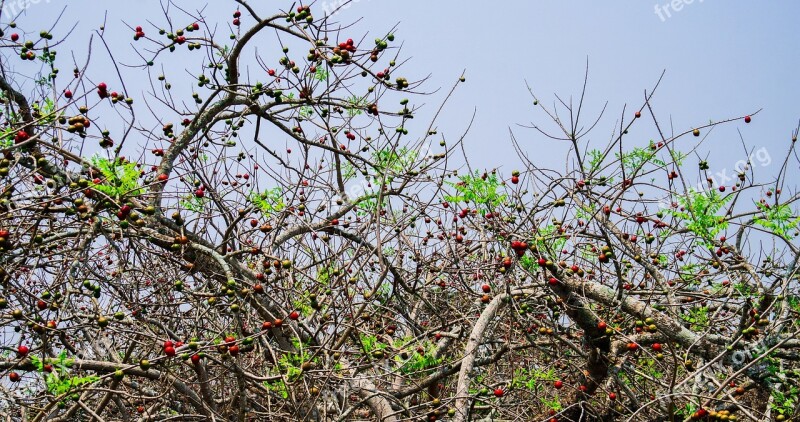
x=723 y=59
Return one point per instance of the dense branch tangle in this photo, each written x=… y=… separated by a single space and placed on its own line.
x=283 y=241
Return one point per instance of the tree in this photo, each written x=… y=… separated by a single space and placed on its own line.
x=286 y=242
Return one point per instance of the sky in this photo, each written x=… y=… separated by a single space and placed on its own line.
x=722 y=60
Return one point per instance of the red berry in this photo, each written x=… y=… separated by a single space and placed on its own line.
x=67 y=94
x=14 y=377
x=294 y=315
x=195 y=358
x=602 y=325
x=558 y=384
x=168 y=343
x=657 y=347
x=233 y=350
x=486 y=288
x=169 y=351
x=612 y=396
x=102 y=86
x=195 y=26
x=22 y=351
x=638 y=114
x=14 y=37
x=498 y=392
x=21 y=136
x=747 y=119
x=236 y=22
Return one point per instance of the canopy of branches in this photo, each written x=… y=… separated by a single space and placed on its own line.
x=284 y=235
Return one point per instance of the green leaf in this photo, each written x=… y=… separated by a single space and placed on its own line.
x=268 y=202
x=193 y=203
x=595 y=159
x=121 y=178
x=701 y=213
x=356 y=104
x=37 y=363
x=321 y=74
x=778 y=219
x=477 y=190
